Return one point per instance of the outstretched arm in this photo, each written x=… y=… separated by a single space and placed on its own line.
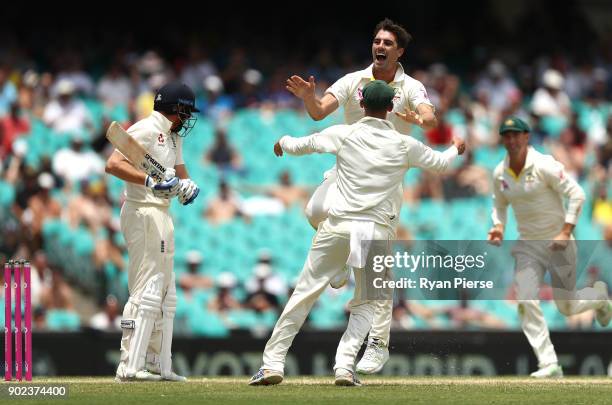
x=422 y=156
x=327 y=141
x=424 y=116
x=305 y=90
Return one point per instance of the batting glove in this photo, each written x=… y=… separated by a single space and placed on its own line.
x=188 y=191
x=165 y=189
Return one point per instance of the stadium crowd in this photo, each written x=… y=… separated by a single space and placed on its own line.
x=239 y=250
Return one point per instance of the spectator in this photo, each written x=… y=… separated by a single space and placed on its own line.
x=550 y=100
x=65 y=113
x=115 y=87
x=216 y=105
x=8 y=91
x=91 y=207
x=41 y=276
x=264 y=280
x=224 y=301
x=288 y=193
x=224 y=207
x=108 y=319
x=39 y=319
x=71 y=70
x=223 y=155
x=59 y=295
x=571 y=148
x=76 y=164
x=442 y=134
x=59 y=302
x=12 y=126
x=193 y=279
x=107 y=249
x=41 y=206
x=198 y=68
x=497 y=86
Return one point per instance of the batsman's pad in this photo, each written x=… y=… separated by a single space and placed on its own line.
x=168 y=311
x=148 y=309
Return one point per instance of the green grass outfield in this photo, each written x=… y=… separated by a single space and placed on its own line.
x=314 y=390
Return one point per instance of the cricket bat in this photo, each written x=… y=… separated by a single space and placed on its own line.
x=134 y=152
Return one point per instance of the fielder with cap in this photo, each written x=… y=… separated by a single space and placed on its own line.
x=536 y=185
x=411 y=106
x=147 y=228
x=372 y=159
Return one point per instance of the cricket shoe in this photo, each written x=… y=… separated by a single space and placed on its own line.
x=341 y=278
x=174 y=377
x=346 y=378
x=154 y=368
x=374 y=357
x=603 y=314
x=550 y=371
x=141 y=375
x=266 y=377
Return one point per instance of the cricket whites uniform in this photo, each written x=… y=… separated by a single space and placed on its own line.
x=536 y=195
x=372 y=159
x=148 y=230
x=409 y=93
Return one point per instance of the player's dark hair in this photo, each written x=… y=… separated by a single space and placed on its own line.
x=401 y=35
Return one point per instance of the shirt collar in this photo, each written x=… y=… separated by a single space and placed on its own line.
x=162 y=122
x=377 y=122
x=367 y=73
x=529 y=161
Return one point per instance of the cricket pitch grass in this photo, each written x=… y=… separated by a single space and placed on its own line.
x=316 y=390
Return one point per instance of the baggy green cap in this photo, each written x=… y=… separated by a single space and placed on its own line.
x=377 y=95
x=513 y=124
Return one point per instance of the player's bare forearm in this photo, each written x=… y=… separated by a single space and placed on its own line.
x=317 y=108
x=181 y=171
x=314 y=108
x=428 y=116
x=429 y=121
x=120 y=167
x=567 y=229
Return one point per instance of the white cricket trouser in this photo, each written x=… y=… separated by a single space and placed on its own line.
x=149 y=236
x=533 y=259
x=316 y=212
x=329 y=252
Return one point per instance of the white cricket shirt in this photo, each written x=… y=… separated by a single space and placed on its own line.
x=409 y=93
x=153 y=134
x=372 y=159
x=536 y=195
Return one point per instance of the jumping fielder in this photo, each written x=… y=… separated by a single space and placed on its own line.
x=411 y=106
x=147 y=227
x=535 y=185
x=372 y=159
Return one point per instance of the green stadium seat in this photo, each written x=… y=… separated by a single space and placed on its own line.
x=63 y=320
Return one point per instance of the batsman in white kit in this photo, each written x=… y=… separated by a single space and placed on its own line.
x=150 y=161
x=372 y=159
x=535 y=185
x=411 y=106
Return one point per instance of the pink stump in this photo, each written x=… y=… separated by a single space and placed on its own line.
x=27 y=290
x=18 y=330
x=8 y=329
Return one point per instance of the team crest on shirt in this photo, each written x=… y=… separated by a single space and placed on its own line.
x=160 y=139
